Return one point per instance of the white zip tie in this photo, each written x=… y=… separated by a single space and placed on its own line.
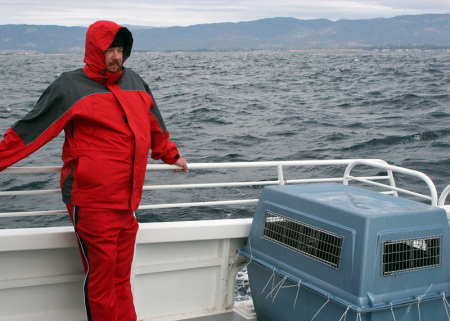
x=274 y=288
x=279 y=286
x=444 y=299
x=235 y=259
x=251 y=253
x=420 y=299
x=392 y=310
x=344 y=315
x=271 y=277
x=321 y=308
x=418 y=308
x=298 y=290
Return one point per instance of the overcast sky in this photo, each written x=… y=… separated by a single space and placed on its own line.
x=165 y=13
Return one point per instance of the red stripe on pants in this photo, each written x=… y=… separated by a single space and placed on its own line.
x=106 y=239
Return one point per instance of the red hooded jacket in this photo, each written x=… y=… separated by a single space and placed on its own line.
x=110 y=121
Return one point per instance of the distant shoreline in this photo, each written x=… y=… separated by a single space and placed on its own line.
x=424 y=32
x=35 y=53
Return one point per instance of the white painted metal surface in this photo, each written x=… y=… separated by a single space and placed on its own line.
x=187 y=269
x=390 y=169
x=181 y=270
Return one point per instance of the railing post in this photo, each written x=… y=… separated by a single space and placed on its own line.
x=392 y=181
x=280 y=175
x=443 y=196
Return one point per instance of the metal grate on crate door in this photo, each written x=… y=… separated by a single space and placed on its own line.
x=316 y=243
x=411 y=255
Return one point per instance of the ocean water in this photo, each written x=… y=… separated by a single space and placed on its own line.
x=257 y=106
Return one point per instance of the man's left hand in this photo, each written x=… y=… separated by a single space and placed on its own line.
x=181 y=162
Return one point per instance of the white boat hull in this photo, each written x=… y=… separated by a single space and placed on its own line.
x=181 y=270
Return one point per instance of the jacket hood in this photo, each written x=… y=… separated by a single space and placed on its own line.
x=99 y=37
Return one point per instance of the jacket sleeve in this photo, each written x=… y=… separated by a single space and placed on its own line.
x=43 y=123
x=162 y=147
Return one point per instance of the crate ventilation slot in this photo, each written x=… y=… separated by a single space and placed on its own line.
x=411 y=255
x=318 y=244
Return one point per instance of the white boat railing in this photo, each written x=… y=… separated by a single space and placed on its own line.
x=443 y=197
x=278 y=168
x=390 y=169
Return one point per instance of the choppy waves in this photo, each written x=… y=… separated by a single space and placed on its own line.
x=276 y=105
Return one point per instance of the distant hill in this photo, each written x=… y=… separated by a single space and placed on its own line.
x=413 y=31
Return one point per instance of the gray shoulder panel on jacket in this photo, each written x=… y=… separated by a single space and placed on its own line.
x=57 y=99
x=131 y=81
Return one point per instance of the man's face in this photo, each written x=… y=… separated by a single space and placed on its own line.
x=114 y=59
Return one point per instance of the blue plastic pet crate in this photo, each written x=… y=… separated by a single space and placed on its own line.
x=332 y=252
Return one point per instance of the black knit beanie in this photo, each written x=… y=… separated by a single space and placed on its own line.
x=123 y=39
x=118 y=40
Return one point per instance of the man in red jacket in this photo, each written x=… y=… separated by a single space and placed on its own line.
x=111 y=122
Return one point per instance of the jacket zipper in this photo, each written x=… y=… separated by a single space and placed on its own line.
x=73 y=128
